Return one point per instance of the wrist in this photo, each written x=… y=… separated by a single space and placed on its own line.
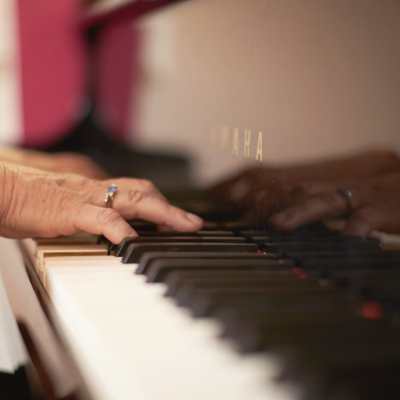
x=8 y=175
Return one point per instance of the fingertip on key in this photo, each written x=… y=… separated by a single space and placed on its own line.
x=133 y=234
x=194 y=219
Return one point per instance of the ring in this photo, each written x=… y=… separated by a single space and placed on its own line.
x=347 y=195
x=109 y=200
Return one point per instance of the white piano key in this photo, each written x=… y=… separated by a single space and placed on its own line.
x=131 y=342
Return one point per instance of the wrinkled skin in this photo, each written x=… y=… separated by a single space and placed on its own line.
x=36 y=203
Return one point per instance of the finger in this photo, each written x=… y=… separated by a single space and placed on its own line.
x=96 y=190
x=362 y=222
x=327 y=204
x=143 y=185
x=160 y=212
x=104 y=221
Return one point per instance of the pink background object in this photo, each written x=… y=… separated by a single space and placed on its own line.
x=53 y=70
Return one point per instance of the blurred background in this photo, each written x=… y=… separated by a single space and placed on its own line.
x=318 y=79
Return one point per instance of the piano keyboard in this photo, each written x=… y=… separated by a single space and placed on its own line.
x=243 y=315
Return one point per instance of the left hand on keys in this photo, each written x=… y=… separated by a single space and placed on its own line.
x=37 y=203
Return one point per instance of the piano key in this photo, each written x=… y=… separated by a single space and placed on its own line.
x=44 y=252
x=206 y=302
x=312 y=239
x=134 y=251
x=348 y=264
x=187 y=289
x=160 y=268
x=292 y=247
x=126 y=242
x=147 y=258
x=304 y=257
x=176 y=279
x=175 y=233
x=334 y=365
x=123 y=325
x=266 y=333
x=140 y=225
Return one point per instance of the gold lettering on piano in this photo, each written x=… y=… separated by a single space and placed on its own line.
x=224 y=138
x=235 y=146
x=247 y=138
x=259 y=147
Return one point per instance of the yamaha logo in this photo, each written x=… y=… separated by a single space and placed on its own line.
x=238 y=143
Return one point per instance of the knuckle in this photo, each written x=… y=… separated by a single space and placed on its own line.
x=147 y=184
x=135 y=196
x=108 y=216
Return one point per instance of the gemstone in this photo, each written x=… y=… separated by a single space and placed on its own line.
x=112 y=188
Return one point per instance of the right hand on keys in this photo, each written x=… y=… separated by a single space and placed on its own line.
x=37 y=203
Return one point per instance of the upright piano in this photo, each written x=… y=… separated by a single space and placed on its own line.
x=237 y=311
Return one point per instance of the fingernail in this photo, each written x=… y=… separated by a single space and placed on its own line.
x=194 y=218
x=278 y=218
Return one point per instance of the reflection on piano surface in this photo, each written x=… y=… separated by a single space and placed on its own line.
x=240 y=311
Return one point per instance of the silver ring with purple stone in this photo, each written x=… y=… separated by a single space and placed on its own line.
x=347 y=195
x=109 y=200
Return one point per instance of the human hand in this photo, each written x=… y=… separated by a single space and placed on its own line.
x=262 y=191
x=373 y=205
x=55 y=162
x=36 y=203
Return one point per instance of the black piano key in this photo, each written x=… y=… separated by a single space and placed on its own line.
x=126 y=242
x=292 y=247
x=304 y=257
x=312 y=239
x=348 y=264
x=176 y=233
x=141 y=225
x=187 y=289
x=166 y=234
x=286 y=235
x=301 y=300
x=266 y=333
x=134 y=251
x=160 y=268
x=338 y=363
x=176 y=279
x=148 y=258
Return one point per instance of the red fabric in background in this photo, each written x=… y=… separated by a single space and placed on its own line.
x=53 y=70
x=53 y=63
x=118 y=63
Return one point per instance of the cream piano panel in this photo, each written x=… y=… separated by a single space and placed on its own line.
x=316 y=78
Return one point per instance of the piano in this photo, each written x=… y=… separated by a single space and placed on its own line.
x=235 y=311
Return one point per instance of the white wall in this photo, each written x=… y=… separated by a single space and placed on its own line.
x=318 y=78
x=10 y=96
